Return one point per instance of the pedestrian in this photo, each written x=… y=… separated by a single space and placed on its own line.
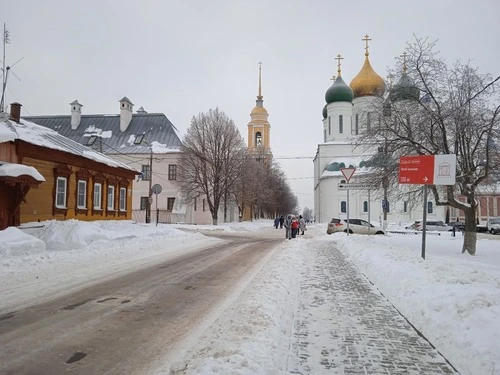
x=276 y=222
x=282 y=220
x=295 y=226
x=302 y=224
x=288 y=228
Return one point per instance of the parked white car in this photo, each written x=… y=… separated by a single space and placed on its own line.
x=431 y=225
x=357 y=226
x=493 y=225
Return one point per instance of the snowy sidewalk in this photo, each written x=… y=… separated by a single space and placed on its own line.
x=345 y=326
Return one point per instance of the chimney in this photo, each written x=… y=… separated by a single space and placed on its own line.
x=76 y=114
x=126 y=108
x=15 y=111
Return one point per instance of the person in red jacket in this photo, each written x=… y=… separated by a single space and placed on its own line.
x=295 y=226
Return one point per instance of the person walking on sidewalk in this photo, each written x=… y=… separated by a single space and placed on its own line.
x=288 y=226
x=302 y=224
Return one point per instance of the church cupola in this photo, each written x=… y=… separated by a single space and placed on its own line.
x=404 y=89
x=339 y=91
x=367 y=82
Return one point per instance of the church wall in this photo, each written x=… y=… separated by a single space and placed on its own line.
x=334 y=110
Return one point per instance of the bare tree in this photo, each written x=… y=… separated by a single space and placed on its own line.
x=211 y=159
x=307 y=214
x=454 y=110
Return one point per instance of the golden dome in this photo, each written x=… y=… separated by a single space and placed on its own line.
x=259 y=111
x=367 y=82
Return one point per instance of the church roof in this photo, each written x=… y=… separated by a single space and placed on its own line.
x=367 y=82
x=404 y=89
x=338 y=92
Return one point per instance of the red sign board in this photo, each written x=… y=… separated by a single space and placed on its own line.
x=416 y=169
x=427 y=169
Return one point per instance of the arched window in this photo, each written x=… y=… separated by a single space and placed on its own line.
x=368 y=122
x=430 y=209
x=405 y=206
x=343 y=207
x=329 y=125
x=356 y=125
x=341 y=124
x=258 y=139
x=365 y=206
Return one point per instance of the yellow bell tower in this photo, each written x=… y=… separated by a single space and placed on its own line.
x=259 y=128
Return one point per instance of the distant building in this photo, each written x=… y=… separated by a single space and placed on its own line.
x=148 y=142
x=44 y=175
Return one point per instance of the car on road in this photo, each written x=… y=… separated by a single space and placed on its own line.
x=356 y=226
x=458 y=225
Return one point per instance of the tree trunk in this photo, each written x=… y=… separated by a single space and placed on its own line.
x=470 y=235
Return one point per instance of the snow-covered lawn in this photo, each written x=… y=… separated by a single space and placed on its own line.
x=452 y=298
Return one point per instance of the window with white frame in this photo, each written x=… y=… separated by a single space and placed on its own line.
x=343 y=207
x=82 y=194
x=123 y=199
x=61 y=190
x=111 y=197
x=341 y=124
x=97 y=195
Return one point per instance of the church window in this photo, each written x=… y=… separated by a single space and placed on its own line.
x=430 y=209
x=324 y=135
x=343 y=207
x=365 y=206
x=405 y=206
x=368 y=122
x=356 y=125
x=258 y=139
x=329 y=125
x=341 y=124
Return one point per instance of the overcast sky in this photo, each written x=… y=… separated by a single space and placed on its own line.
x=186 y=57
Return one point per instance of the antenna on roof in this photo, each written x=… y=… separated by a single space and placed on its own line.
x=6 y=69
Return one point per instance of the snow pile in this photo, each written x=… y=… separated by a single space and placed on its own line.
x=452 y=298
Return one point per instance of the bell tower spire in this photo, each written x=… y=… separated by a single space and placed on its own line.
x=259 y=127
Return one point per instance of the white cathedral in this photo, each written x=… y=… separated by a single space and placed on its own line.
x=347 y=114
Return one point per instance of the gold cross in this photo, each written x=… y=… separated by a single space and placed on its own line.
x=366 y=39
x=338 y=58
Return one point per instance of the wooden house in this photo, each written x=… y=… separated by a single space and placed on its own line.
x=44 y=175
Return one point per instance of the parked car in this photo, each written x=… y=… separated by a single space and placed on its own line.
x=458 y=225
x=430 y=225
x=357 y=226
x=493 y=225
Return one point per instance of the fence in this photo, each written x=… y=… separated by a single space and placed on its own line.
x=160 y=216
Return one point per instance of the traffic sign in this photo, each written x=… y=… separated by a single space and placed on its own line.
x=428 y=169
x=347 y=172
x=156 y=189
x=357 y=186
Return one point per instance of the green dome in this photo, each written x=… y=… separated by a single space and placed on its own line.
x=405 y=89
x=339 y=92
x=325 y=112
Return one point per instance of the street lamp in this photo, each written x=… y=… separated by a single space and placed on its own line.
x=138 y=140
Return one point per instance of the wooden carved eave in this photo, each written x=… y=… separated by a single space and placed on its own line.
x=22 y=181
x=99 y=177
x=83 y=174
x=124 y=182
x=62 y=170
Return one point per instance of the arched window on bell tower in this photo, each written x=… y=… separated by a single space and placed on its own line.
x=258 y=139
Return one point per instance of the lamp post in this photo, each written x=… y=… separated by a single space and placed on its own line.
x=140 y=139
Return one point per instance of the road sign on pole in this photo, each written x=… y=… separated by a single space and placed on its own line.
x=357 y=186
x=348 y=172
x=428 y=169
